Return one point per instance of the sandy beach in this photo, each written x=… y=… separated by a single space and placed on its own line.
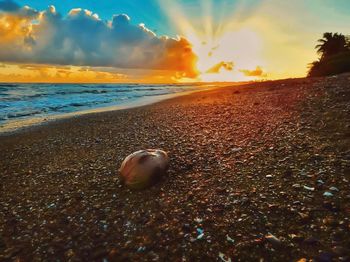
x=258 y=171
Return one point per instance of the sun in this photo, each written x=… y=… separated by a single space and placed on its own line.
x=217 y=44
x=239 y=48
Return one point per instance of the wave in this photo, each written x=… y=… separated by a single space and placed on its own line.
x=80 y=104
x=8 y=85
x=147 y=89
x=23 y=114
x=67 y=93
x=79 y=92
x=3 y=89
x=25 y=101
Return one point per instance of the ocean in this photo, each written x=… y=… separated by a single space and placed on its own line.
x=21 y=102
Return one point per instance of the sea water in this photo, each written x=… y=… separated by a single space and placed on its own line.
x=25 y=101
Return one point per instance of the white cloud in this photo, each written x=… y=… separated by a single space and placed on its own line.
x=82 y=38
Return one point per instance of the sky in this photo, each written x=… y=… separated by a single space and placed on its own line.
x=160 y=41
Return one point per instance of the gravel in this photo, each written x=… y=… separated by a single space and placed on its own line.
x=243 y=184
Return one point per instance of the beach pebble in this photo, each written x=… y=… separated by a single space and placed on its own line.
x=273 y=239
x=144 y=168
x=229 y=239
x=327 y=194
x=309 y=188
x=224 y=258
x=333 y=188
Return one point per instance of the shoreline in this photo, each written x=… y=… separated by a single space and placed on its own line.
x=17 y=126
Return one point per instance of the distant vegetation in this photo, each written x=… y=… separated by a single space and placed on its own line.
x=334 y=51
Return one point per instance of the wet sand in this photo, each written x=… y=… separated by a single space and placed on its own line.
x=249 y=169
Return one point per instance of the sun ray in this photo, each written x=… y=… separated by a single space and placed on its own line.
x=217 y=36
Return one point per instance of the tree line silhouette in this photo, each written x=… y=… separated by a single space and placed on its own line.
x=334 y=51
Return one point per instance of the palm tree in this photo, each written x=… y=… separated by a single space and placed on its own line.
x=332 y=44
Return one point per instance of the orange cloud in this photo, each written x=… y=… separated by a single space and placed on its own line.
x=75 y=74
x=57 y=74
x=217 y=68
x=180 y=57
x=256 y=72
x=82 y=39
x=13 y=29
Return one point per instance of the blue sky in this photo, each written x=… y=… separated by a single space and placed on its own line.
x=150 y=12
x=145 y=11
x=149 y=9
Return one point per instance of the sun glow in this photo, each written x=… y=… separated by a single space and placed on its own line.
x=217 y=42
x=245 y=35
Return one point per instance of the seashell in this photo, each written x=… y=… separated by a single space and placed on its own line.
x=144 y=168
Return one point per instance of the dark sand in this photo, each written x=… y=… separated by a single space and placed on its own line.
x=240 y=158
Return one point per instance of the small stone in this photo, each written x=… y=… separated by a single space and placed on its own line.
x=333 y=188
x=273 y=240
x=296 y=238
x=198 y=220
x=229 y=239
x=304 y=216
x=200 y=233
x=51 y=205
x=236 y=149
x=309 y=188
x=224 y=258
x=327 y=194
x=69 y=253
x=141 y=249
